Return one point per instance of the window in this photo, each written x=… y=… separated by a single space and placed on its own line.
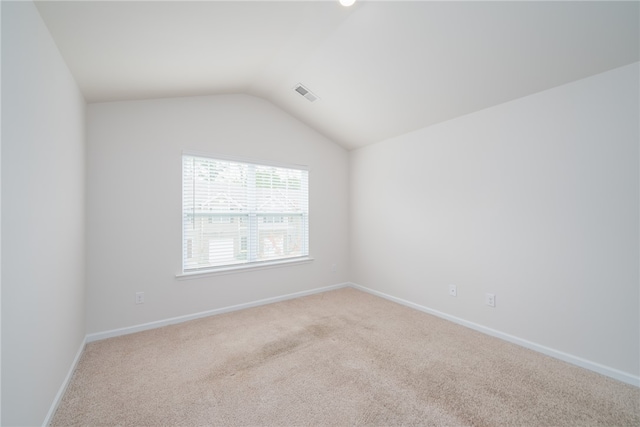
x=237 y=213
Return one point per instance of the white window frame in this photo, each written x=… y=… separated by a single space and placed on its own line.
x=252 y=241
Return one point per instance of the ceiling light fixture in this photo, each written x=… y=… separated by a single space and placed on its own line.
x=347 y=3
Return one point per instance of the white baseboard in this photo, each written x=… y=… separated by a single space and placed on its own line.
x=65 y=384
x=157 y=324
x=578 y=361
x=574 y=360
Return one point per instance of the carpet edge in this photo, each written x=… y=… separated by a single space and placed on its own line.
x=65 y=384
x=610 y=372
x=97 y=336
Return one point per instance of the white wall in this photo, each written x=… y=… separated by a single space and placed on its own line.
x=43 y=259
x=134 y=204
x=535 y=200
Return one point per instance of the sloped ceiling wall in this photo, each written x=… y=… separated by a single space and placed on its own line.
x=381 y=69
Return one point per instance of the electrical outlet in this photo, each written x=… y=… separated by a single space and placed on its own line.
x=334 y=268
x=453 y=290
x=490 y=300
x=139 y=297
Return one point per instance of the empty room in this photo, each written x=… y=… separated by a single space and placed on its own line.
x=320 y=213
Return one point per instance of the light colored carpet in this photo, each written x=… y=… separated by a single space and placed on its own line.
x=339 y=358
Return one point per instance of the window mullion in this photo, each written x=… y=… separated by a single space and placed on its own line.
x=252 y=249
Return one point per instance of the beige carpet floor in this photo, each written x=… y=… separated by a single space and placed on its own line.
x=338 y=358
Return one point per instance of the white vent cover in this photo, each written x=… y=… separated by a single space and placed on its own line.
x=305 y=92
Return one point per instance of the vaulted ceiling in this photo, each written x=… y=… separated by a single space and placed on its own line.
x=379 y=68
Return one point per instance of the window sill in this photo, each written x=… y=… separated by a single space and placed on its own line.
x=243 y=268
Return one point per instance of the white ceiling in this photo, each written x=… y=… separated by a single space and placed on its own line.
x=380 y=68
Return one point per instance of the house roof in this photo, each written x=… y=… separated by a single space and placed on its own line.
x=379 y=68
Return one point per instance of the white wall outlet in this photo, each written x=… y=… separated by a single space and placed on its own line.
x=139 y=297
x=334 y=268
x=490 y=300
x=453 y=290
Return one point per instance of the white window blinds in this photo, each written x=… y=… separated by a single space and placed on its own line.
x=236 y=213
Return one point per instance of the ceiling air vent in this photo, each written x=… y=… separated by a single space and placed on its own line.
x=305 y=92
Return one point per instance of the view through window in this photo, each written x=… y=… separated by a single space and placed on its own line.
x=237 y=213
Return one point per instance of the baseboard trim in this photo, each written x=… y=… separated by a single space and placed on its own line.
x=574 y=360
x=160 y=323
x=65 y=384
